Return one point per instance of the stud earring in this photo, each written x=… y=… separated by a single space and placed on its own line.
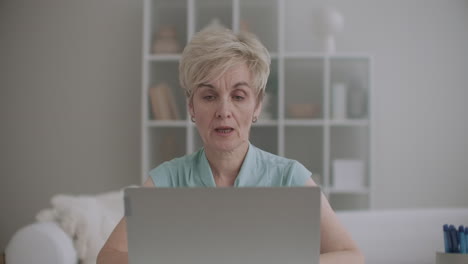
x=254 y=120
x=192 y=119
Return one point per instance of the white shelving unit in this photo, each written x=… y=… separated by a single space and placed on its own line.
x=298 y=79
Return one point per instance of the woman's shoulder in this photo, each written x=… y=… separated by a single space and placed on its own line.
x=285 y=171
x=272 y=160
x=174 y=163
x=169 y=172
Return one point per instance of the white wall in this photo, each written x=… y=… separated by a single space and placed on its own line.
x=70 y=107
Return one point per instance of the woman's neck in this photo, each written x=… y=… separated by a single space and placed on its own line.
x=225 y=166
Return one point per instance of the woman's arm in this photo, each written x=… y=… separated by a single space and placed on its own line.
x=115 y=250
x=336 y=244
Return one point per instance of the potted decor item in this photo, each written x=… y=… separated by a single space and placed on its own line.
x=215 y=23
x=166 y=40
x=303 y=110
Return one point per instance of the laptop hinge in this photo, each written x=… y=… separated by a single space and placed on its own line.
x=127 y=208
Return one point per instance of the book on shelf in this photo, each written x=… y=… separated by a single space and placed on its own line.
x=163 y=104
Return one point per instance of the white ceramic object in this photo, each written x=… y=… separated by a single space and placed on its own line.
x=329 y=22
x=339 y=101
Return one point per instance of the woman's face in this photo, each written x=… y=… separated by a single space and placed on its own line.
x=224 y=110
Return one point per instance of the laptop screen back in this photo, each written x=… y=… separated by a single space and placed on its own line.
x=223 y=225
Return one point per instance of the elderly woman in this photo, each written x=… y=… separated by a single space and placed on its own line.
x=224 y=76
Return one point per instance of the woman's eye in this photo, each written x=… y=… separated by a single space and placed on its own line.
x=208 y=97
x=238 y=98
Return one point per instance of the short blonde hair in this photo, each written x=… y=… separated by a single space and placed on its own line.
x=215 y=50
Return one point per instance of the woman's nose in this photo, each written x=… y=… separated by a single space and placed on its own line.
x=224 y=109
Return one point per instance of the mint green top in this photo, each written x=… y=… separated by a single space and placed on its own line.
x=259 y=169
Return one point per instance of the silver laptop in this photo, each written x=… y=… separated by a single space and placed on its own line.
x=223 y=225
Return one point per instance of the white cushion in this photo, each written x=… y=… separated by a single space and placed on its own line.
x=43 y=242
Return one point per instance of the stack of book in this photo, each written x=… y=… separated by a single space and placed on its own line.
x=163 y=105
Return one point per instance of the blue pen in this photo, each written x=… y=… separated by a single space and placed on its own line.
x=462 y=239
x=447 y=241
x=466 y=239
x=454 y=239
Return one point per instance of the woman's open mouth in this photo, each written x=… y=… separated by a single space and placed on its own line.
x=224 y=130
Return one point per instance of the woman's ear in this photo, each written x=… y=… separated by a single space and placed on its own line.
x=258 y=109
x=190 y=107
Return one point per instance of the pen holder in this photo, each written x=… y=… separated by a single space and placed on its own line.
x=451 y=258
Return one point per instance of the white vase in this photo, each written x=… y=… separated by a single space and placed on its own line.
x=339 y=98
x=328 y=22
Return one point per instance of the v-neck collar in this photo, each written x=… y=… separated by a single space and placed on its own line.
x=242 y=179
